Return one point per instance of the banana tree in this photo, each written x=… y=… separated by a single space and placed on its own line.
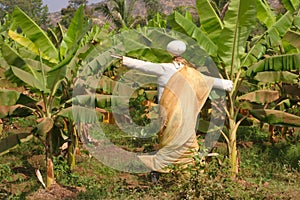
x=47 y=69
x=280 y=70
x=235 y=48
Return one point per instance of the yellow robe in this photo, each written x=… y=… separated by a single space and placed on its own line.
x=182 y=99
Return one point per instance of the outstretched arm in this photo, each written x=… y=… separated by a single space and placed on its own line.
x=144 y=66
x=223 y=84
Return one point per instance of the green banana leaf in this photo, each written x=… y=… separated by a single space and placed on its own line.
x=35 y=34
x=291 y=5
x=264 y=13
x=296 y=21
x=12 y=57
x=256 y=52
x=239 y=20
x=107 y=85
x=286 y=62
x=58 y=73
x=35 y=81
x=30 y=73
x=261 y=96
x=276 y=117
x=184 y=25
x=271 y=37
x=209 y=19
x=275 y=77
x=69 y=50
x=279 y=29
x=37 y=65
x=76 y=30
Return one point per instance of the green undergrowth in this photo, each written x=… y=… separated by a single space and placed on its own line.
x=267 y=171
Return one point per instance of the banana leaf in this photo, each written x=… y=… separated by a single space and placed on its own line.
x=239 y=20
x=271 y=37
x=21 y=72
x=296 y=21
x=140 y=78
x=11 y=56
x=279 y=29
x=261 y=96
x=76 y=30
x=293 y=38
x=257 y=49
x=291 y=5
x=181 y=24
x=286 y=62
x=103 y=101
x=107 y=85
x=35 y=81
x=264 y=13
x=276 y=117
x=275 y=77
x=26 y=42
x=108 y=101
x=209 y=20
x=69 y=51
x=35 y=34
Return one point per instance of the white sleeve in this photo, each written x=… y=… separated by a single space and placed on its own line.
x=146 y=67
x=223 y=84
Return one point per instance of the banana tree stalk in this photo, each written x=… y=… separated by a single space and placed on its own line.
x=72 y=146
x=232 y=149
x=49 y=157
x=48 y=145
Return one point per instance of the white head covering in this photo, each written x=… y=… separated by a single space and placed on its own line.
x=176 y=47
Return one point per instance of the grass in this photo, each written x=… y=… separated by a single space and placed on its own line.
x=267 y=171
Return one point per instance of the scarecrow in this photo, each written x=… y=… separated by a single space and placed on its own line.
x=182 y=92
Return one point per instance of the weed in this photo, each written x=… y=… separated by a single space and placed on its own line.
x=5 y=172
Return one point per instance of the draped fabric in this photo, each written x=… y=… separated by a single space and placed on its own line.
x=183 y=97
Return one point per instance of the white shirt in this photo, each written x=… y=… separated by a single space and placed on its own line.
x=164 y=71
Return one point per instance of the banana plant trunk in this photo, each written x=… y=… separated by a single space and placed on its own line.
x=49 y=162
x=232 y=129
x=72 y=147
x=50 y=173
x=233 y=153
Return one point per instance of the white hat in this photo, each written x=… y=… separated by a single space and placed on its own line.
x=176 y=47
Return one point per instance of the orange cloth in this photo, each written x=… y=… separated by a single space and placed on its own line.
x=180 y=104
